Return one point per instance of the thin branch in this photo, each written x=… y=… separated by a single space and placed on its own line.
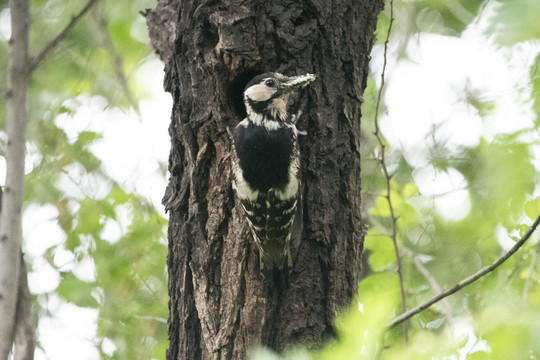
x=432 y=281
x=528 y=282
x=467 y=281
x=387 y=176
x=54 y=42
x=379 y=96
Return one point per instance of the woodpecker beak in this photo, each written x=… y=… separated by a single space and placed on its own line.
x=290 y=83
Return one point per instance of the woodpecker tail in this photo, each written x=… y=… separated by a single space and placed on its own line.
x=276 y=253
x=275 y=256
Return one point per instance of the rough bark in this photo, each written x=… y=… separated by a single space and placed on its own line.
x=24 y=325
x=220 y=304
x=10 y=219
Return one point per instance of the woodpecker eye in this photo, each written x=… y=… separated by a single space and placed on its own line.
x=271 y=83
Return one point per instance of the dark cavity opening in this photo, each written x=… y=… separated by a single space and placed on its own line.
x=210 y=37
x=236 y=92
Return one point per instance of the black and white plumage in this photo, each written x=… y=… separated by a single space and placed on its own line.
x=266 y=164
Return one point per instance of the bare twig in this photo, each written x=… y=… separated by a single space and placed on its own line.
x=527 y=285
x=10 y=218
x=387 y=176
x=432 y=196
x=467 y=281
x=432 y=281
x=54 y=42
x=379 y=97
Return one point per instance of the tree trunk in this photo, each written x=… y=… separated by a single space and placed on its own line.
x=220 y=304
x=11 y=204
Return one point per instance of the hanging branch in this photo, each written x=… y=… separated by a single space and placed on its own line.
x=388 y=177
x=54 y=43
x=467 y=281
x=10 y=218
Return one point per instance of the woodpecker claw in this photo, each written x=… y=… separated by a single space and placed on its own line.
x=294 y=119
x=229 y=131
x=296 y=116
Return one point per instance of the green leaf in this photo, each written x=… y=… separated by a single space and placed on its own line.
x=91 y=215
x=382 y=250
x=516 y=21
x=479 y=355
x=65 y=217
x=381 y=207
x=407 y=217
x=87 y=159
x=86 y=138
x=76 y=291
x=500 y=176
x=361 y=326
x=532 y=208
x=119 y=196
x=409 y=190
x=72 y=242
x=449 y=17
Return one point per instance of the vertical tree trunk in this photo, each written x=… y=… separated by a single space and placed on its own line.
x=11 y=205
x=220 y=305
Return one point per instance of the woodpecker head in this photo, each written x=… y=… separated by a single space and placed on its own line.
x=265 y=96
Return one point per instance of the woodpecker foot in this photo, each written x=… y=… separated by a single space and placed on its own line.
x=229 y=131
x=295 y=117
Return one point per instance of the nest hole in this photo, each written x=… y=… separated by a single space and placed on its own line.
x=236 y=92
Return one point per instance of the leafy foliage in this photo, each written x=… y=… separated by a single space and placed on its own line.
x=515 y=21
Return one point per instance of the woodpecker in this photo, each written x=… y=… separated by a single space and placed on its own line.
x=266 y=164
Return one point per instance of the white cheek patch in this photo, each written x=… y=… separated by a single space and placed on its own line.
x=259 y=92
